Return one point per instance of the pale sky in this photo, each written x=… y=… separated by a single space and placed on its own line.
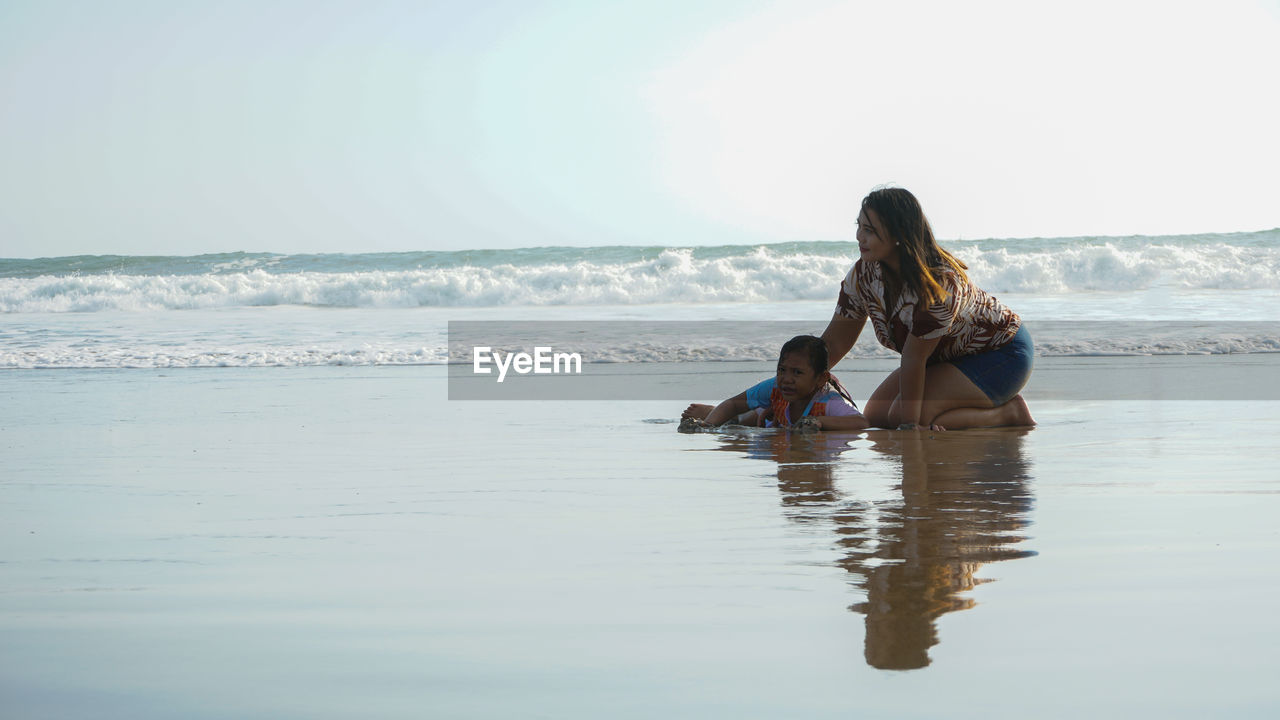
x=188 y=127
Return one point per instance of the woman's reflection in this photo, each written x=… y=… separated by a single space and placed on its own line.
x=963 y=503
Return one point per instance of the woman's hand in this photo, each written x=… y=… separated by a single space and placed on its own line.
x=917 y=426
x=911 y=374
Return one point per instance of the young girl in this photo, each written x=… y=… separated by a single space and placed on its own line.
x=803 y=395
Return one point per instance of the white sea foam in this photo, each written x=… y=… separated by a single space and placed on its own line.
x=639 y=276
x=672 y=277
x=596 y=342
x=196 y=357
x=1108 y=267
x=247 y=310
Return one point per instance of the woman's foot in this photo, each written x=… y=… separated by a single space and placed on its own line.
x=1017 y=413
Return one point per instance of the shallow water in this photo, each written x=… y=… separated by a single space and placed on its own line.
x=329 y=542
x=284 y=336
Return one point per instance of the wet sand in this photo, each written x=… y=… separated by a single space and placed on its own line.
x=341 y=542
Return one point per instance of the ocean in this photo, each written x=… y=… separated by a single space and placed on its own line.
x=253 y=485
x=1186 y=294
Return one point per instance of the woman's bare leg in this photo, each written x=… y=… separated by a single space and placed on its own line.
x=1014 y=413
x=881 y=404
x=951 y=400
x=955 y=403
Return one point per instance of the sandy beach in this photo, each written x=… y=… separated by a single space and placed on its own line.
x=255 y=255
x=338 y=542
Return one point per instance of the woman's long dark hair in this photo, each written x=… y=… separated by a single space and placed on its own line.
x=920 y=259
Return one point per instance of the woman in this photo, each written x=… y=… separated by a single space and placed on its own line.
x=965 y=356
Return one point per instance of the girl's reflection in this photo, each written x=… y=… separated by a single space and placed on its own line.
x=963 y=503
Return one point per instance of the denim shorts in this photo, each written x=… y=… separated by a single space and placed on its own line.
x=1001 y=373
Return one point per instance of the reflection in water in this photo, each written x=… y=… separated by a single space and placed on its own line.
x=963 y=503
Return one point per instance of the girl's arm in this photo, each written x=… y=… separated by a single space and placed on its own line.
x=728 y=410
x=840 y=336
x=911 y=378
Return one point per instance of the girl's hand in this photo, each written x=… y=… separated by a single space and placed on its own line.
x=692 y=425
x=916 y=426
x=808 y=424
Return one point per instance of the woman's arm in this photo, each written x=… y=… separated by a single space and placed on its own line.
x=840 y=336
x=729 y=409
x=911 y=378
